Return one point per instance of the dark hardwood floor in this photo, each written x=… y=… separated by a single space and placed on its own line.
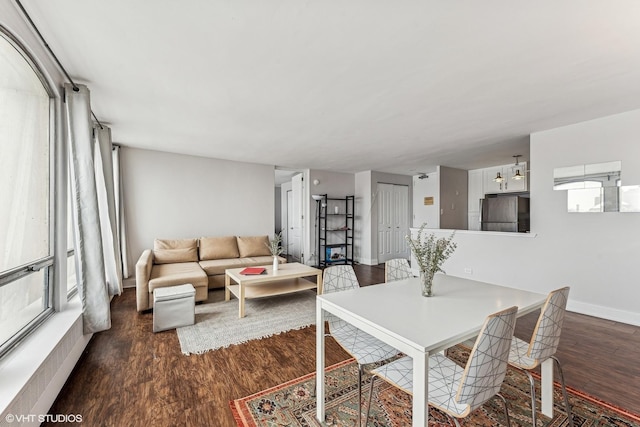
x=131 y=376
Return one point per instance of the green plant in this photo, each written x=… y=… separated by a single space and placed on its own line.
x=274 y=245
x=431 y=253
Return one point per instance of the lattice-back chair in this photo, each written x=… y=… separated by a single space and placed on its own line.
x=455 y=390
x=362 y=346
x=397 y=269
x=543 y=345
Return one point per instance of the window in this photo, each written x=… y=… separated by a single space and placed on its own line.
x=26 y=223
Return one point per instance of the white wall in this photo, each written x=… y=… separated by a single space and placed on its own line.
x=426 y=187
x=362 y=243
x=595 y=253
x=173 y=196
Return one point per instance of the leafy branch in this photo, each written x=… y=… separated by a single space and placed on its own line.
x=274 y=245
x=431 y=253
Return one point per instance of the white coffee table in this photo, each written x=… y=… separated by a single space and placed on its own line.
x=289 y=278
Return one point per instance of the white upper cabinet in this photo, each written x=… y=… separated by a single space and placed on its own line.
x=509 y=184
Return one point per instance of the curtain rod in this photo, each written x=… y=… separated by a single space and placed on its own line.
x=46 y=45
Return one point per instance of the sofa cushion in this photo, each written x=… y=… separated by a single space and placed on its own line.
x=253 y=246
x=171 y=251
x=218 y=248
x=217 y=266
x=163 y=275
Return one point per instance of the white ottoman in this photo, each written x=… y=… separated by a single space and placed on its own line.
x=173 y=306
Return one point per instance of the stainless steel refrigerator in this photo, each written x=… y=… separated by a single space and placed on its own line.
x=505 y=213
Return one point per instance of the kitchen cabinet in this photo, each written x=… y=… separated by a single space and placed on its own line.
x=508 y=185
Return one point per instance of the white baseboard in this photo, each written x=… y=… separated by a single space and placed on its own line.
x=628 y=317
x=368 y=261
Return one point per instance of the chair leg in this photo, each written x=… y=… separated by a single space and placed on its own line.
x=533 y=397
x=506 y=408
x=455 y=420
x=366 y=418
x=564 y=392
x=359 y=395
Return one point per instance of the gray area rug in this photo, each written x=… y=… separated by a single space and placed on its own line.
x=217 y=324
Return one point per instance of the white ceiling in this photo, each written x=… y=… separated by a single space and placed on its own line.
x=395 y=86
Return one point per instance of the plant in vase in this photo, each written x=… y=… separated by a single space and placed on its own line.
x=430 y=254
x=275 y=247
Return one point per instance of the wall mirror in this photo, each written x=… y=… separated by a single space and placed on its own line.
x=596 y=175
x=596 y=188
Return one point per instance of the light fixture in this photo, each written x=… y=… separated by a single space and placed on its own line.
x=498 y=178
x=517 y=175
x=316 y=181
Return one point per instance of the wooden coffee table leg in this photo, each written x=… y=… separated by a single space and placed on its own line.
x=227 y=282
x=241 y=301
x=319 y=282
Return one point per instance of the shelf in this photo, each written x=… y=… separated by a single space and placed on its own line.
x=334 y=231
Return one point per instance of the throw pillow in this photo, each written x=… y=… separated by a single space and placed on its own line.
x=253 y=246
x=218 y=248
x=167 y=251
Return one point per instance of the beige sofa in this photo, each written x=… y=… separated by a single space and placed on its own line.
x=201 y=262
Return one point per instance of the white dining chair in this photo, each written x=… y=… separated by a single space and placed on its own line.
x=456 y=390
x=396 y=269
x=360 y=345
x=543 y=345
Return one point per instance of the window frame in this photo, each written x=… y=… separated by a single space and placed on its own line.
x=49 y=262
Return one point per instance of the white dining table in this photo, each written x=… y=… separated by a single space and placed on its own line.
x=397 y=314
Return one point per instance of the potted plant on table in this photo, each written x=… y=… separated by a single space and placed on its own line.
x=430 y=254
x=275 y=247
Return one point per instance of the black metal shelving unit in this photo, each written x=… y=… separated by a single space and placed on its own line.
x=335 y=230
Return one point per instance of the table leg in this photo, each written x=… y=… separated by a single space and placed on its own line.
x=241 y=300
x=319 y=362
x=227 y=282
x=421 y=390
x=546 y=386
x=319 y=283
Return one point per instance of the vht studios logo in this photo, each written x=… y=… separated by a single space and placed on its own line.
x=42 y=418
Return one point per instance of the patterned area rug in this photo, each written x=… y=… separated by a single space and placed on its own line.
x=293 y=404
x=217 y=324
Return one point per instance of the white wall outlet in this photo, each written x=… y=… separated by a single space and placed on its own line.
x=468 y=270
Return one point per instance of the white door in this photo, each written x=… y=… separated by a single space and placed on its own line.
x=296 y=223
x=286 y=232
x=393 y=221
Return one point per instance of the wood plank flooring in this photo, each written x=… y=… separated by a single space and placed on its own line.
x=131 y=376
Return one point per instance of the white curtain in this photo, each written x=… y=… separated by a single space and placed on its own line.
x=120 y=222
x=90 y=266
x=107 y=206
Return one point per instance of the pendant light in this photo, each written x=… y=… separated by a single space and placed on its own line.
x=498 y=178
x=517 y=175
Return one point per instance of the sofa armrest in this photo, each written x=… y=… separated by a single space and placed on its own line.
x=143 y=273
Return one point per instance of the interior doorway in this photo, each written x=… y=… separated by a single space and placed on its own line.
x=291 y=187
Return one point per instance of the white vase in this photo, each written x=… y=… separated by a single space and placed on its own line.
x=275 y=264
